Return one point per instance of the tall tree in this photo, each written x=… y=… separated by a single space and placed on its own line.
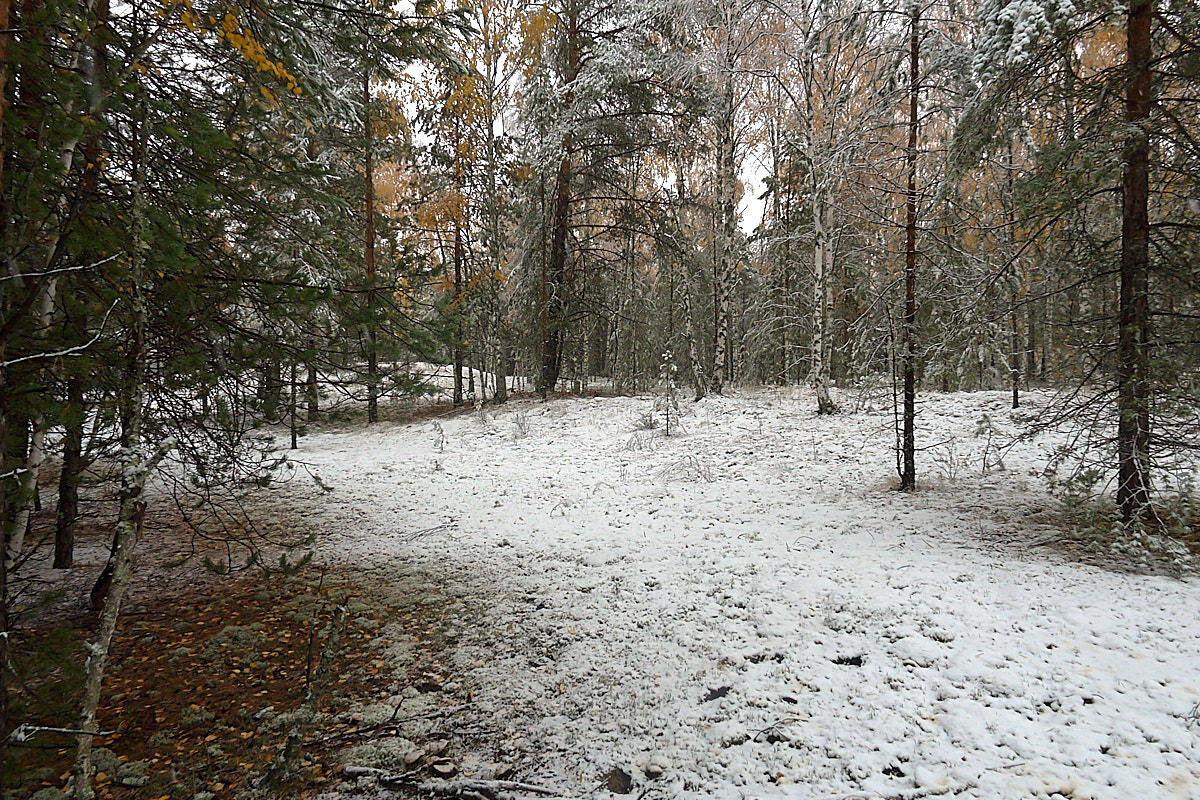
x=908 y=471
x=1133 y=316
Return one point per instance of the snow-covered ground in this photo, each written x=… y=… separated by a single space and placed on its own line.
x=751 y=606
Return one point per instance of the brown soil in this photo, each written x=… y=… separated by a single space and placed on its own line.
x=182 y=693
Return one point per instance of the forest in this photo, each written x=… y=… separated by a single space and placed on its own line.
x=577 y=398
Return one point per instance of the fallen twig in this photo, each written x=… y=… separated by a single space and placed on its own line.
x=467 y=787
x=904 y=794
x=442 y=527
x=24 y=732
x=385 y=728
x=316 y=689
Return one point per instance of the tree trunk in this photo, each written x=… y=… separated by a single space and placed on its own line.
x=12 y=536
x=500 y=370
x=68 y=479
x=313 y=393
x=552 y=344
x=822 y=266
x=293 y=428
x=458 y=328
x=500 y=393
x=5 y=13
x=1133 y=357
x=1014 y=358
x=5 y=657
x=459 y=334
x=555 y=276
x=270 y=386
x=131 y=513
x=694 y=365
x=544 y=252
x=723 y=276
x=75 y=411
x=1030 y=341
x=35 y=456
x=908 y=475
x=1014 y=355
x=369 y=248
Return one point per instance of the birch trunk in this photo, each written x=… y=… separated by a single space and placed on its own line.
x=723 y=277
x=694 y=365
x=136 y=466
x=14 y=537
x=822 y=266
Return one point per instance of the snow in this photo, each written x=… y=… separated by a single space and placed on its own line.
x=749 y=609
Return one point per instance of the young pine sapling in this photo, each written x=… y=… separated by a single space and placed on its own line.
x=668 y=394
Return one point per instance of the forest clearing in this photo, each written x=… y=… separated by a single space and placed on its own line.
x=557 y=594
x=748 y=608
x=502 y=399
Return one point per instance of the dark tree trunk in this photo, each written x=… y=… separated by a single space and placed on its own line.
x=1014 y=365
x=500 y=394
x=312 y=392
x=458 y=276
x=68 y=479
x=458 y=328
x=908 y=474
x=556 y=274
x=369 y=254
x=552 y=343
x=1133 y=357
x=5 y=13
x=1014 y=310
x=293 y=427
x=270 y=387
x=1030 y=342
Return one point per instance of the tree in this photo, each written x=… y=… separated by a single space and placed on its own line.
x=1069 y=66
x=1133 y=344
x=908 y=472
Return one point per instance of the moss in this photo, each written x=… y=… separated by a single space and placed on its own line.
x=105 y=760
x=133 y=773
x=39 y=775
x=233 y=641
x=161 y=739
x=285 y=721
x=386 y=753
x=195 y=715
x=48 y=794
x=178 y=653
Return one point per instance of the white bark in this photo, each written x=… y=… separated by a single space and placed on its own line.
x=136 y=466
x=822 y=266
x=686 y=280
x=724 y=235
x=27 y=482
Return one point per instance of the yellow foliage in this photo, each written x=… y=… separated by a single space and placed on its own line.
x=240 y=38
x=522 y=172
x=252 y=51
x=537 y=28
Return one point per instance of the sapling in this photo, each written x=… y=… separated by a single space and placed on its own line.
x=668 y=394
x=520 y=425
